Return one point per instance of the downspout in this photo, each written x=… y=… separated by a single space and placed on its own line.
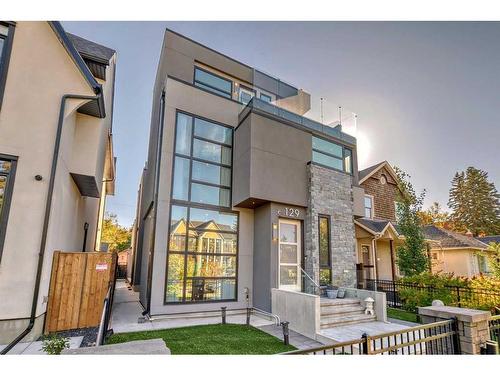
x=48 y=205
x=374 y=251
x=159 y=143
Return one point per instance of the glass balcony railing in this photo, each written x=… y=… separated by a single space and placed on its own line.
x=269 y=108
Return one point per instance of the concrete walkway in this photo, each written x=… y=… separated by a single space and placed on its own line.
x=355 y=331
x=35 y=347
x=127 y=310
x=296 y=339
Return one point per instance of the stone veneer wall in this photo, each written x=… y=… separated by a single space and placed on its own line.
x=330 y=193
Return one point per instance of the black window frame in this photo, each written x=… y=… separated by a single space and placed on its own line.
x=5 y=56
x=210 y=88
x=186 y=254
x=189 y=205
x=192 y=158
x=329 y=230
x=9 y=188
x=341 y=159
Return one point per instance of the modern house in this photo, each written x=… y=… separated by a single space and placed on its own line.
x=242 y=194
x=56 y=160
x=376 y=233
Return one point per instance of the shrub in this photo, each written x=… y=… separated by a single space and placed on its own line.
x=426 y=287
x=55 y=344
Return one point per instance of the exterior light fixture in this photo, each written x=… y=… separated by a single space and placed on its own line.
x=275 y=232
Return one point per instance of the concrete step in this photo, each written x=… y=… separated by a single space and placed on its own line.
x=342 y=310
x=342 y=320
x=339 y=301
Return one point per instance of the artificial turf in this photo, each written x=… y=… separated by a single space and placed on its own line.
x=210 y=339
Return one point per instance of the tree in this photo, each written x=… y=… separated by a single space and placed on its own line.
x=411 y=254
x=474 y=202
x=494 y=258
x=435 y=215
x=115 y=235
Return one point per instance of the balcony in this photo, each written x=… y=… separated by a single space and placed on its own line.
x=276 y=111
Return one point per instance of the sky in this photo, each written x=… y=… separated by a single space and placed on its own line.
x=426 y=93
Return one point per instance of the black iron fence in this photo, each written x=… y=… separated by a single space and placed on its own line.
x=434 y=338
x=494 y=326
x=410 y=296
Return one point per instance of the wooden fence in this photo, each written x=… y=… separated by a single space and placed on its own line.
x=78 y=286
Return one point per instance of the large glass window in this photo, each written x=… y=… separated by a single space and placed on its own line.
x=331 y=155
x=202 y=255
x=213 y=83
x=325 y=267
x=7 y=171
x=203 y=235
x=202 y=164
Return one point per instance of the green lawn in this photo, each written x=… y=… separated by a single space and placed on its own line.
x=210 y=339
x=402 y=315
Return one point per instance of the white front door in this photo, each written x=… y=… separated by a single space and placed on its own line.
x=290 y=255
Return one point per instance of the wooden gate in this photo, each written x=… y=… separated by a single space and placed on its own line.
x=78 y=286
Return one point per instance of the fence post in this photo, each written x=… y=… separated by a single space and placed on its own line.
x=471 y=326
x=365 y=346
x=249 y=311
x=458 y=296
x=223 y=312
x=286 y=338
x=456 y=339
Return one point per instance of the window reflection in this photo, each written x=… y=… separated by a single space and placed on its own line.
x=209 y=257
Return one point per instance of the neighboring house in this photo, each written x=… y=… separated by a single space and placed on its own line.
x=456 y=253
x=56 y=160
x=489 y=239
x=241 y=193
x=376 y=233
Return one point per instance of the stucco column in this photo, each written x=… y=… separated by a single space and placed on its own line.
x=472 y=324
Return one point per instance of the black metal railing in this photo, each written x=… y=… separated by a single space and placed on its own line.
x=434 y=338
x=494 y=327
x=408 y=295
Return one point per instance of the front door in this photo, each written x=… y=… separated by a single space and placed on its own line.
x=367 y=264
x=290 y=254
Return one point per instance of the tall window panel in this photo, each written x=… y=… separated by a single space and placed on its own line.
x=202 y=255
x=325 y=265
x=203 y=233
x=202 y=162
x=7 y=173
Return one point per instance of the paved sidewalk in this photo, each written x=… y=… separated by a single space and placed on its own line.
x=296 y=339
x=35 y=347
x=127 y=310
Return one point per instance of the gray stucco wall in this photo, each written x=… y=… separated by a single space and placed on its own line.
x=269 y=156
x=266 y=257
x=262 y=258
x=330 y=193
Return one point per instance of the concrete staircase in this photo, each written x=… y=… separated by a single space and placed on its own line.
x=342 y=312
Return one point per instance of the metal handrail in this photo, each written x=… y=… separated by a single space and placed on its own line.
x=274 y=316
x=310 y=278
x=102 y=324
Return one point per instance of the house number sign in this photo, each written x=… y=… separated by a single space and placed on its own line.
x=289 y=212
